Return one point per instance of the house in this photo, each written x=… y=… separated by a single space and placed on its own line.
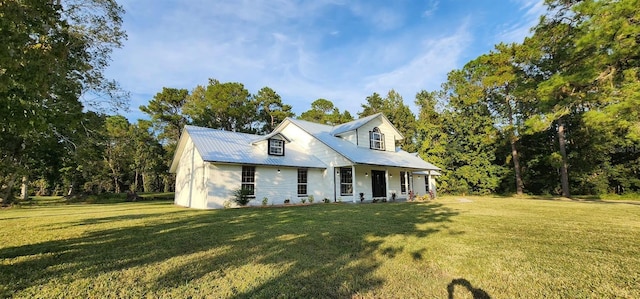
x=299 y=159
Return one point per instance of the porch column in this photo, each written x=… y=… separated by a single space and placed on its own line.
x=406 y=183
x=353 y=183
x=386 y=183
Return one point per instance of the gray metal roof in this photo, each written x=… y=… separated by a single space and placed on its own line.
x=232 y=147
x=352 y=125
x=361 y=155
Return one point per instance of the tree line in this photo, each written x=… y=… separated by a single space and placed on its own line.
x=556 y=114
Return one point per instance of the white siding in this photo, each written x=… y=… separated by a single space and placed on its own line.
x=190 y=188
x=326 y=180
x=222 y=181
x=351 y=137
x=278 y=186
x=385 y=128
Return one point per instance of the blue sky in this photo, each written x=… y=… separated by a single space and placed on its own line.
x=339 y=50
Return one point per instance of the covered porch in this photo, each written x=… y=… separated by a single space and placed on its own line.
x=371 y=183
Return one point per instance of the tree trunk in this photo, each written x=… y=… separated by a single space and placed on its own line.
x=514 y=150
x=135 y=181
x=564 y=171
x=516 y=166
x=24 y=195
x=6 y=194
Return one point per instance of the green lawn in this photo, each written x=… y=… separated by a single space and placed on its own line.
x=500 y=247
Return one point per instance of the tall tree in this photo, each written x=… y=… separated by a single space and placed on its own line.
x=502 y=79
x=589 y=65
x=227 y=106
x=271 y=110
x=324 y=112
x=54 y=52
x=119 y=151
x=431 y=137
x=165 y=110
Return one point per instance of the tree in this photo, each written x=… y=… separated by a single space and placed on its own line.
x=501 y=77
x=431 y=138
x=119 y=153
x=324 y=112
x=225 y=106
x=53 y=54
x=471 y=137
x=588 y=63
x=271 y=110
x=165 y=110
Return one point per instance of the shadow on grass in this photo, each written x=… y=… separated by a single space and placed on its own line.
x=320 y=250
x=477 y=293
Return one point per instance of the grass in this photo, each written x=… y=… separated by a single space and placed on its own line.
x=491 y=247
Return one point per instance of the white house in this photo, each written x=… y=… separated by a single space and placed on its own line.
x=297 y=160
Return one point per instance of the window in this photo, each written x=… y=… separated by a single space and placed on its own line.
x=346 y=181
x=426 y=184
x=302 y=182
x=249 y=179
x=403 y=183
x=276 y=147
x=376 y=139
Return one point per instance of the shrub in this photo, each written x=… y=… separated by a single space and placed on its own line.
x=326 y=200
x=287 y=201
x=241 y=196
x=265 y=201
x=311 y=199
x=303 y=199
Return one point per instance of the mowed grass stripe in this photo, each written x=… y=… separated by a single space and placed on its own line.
x=501 y=247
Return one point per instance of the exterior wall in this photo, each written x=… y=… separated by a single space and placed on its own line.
x=224 y=179
x=325 y=154
x=351 y=137
x=385 y=128
x=190 y=187
x=279 y=186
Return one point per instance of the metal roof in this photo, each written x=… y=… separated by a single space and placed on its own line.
x=232 y=147
x=361 y=155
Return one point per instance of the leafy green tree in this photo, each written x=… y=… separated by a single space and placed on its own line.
x=271 y=110
x=165 y=110
x=324 y=112
x=225 y=106
x=472 y=138
x=587 y=63
x=148 y=160
x=119 y=151
x=502 y=78
x=54 y=53
x=431 y=137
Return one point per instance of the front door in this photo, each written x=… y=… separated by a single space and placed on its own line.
x=378 y=183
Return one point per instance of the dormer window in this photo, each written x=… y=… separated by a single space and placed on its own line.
x=376 y=139
x=276 y=147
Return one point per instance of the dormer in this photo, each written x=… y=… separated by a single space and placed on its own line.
x=375 y=132
x=274 y=144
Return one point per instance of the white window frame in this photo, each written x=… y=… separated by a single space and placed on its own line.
x=276 y=147
x=305 y=173
x=376 y=139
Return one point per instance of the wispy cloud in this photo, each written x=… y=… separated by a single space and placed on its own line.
x=518 y=29
x=334 y=49
x=432 y=8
